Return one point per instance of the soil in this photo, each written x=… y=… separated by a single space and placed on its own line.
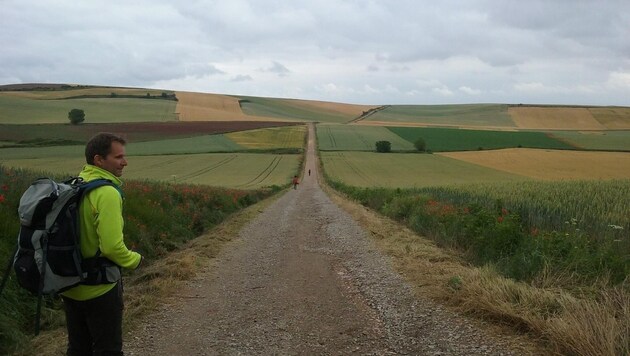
x=302 y=278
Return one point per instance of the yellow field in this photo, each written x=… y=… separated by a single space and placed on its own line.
x=551 y=164
x=612 y=117
x=212 y=107
x=61 y=94
x=276 y=137
x=554 y=118
x=208 y=107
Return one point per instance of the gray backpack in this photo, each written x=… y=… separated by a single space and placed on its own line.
x=48 y=258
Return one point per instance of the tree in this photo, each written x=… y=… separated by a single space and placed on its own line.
x=76 y=116
x=420 y=145
x=383 y=146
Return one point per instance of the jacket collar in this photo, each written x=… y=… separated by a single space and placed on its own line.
x=91 y=172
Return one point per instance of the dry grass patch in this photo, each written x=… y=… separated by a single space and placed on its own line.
x=554 y=118
x=551 y=164
x=576 y=326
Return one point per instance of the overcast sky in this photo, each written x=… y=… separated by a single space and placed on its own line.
x=363 y=52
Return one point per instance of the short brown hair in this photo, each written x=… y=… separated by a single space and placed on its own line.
x=101 y=144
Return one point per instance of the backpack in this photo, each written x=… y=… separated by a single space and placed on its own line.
x=48 y=258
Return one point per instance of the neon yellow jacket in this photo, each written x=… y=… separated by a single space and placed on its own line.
x=102 y=229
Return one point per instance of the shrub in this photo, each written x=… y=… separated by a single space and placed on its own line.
x=383 y=146
x=76 y=116
x=420 y=144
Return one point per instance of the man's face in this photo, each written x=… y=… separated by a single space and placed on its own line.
x=115 y=160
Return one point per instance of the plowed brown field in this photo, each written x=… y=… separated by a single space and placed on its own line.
x=132 y=131
x=554 y=118
x=551 y=164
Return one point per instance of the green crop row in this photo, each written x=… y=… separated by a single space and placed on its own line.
x=443 y=139
x=371 y=169
x=364 y=138
x=234 y=170
x=358 y=138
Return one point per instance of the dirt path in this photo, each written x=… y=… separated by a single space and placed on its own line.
x=302 y=278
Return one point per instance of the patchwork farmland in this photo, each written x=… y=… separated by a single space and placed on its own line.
x=534 y=198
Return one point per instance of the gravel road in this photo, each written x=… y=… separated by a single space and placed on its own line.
x=304 y=279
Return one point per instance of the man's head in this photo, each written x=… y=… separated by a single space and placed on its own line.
x=107 y=151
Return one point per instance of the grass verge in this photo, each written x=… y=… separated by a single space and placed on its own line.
x=562 y=321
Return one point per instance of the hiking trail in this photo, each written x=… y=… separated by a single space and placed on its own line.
x=302 y=278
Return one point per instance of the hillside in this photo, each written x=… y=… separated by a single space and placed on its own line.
x=49 y=103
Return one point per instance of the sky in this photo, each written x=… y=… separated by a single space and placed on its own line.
x=362 y=52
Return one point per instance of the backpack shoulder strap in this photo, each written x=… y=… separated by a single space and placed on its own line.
x=91 y=185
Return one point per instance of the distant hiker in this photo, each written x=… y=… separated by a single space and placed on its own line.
x=94 y=312
x=295 y=182
x=309 y=172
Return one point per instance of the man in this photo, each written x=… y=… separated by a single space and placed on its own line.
x=94 y=312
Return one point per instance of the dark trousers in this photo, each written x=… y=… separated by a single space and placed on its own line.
x=95 y=325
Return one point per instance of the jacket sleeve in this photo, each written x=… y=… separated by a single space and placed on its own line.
x=109 y=228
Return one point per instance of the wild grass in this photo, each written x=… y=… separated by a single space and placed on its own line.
x=159 y=218
x=563 y=312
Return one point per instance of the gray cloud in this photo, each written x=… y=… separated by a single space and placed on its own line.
x=278 y=69
x=242 y=78
x=361 y=52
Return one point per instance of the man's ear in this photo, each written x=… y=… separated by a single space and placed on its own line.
x=98 y=160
